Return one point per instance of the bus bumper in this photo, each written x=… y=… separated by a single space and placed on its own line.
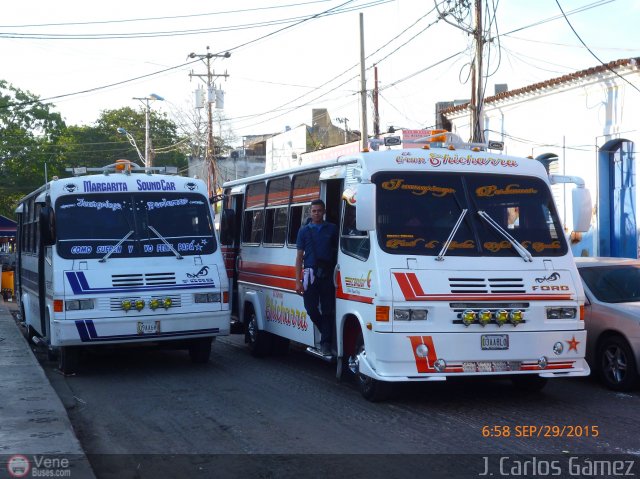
x=436 y=356
x=124 y=330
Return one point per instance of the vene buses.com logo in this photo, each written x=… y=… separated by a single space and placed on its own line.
x=18 y=466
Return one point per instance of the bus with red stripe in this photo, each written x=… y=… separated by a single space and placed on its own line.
x=452 y=261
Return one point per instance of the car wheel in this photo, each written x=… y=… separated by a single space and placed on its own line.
x=529 y=383
x=259 y=341
x=200 y=350
x=616 y=364
x=370 y=388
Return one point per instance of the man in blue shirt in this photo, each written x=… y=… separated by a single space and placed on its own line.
x=317 y=245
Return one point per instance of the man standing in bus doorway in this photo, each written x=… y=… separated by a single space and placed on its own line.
x=317 y=245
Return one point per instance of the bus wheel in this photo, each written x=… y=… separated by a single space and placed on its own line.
x=68 y=359
x=200 y=350
x=529 y=383
x=370 y=388
x=259 y=342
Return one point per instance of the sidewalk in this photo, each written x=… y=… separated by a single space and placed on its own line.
x=33 y=421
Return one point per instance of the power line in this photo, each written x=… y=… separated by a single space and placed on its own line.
x=173 y=17
x=593 y=54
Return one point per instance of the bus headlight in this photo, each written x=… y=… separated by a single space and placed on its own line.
x=78 y=304
x=562 y=313
x=207 y=297
x=126 y=304
x=418 y=315
x=139 y=304
x=167 y=303
x=154 y=303
x=401 y=315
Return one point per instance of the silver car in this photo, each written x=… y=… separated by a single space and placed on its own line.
x=612 y=319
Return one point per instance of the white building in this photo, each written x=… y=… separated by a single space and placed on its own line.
x=587 y=124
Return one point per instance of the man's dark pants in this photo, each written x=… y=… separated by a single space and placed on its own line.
x=319 y=301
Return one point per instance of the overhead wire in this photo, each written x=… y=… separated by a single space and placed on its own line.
x=591 y=52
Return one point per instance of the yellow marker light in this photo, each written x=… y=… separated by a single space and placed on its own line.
x=167 y=303
x=484 y=317
x=154 y=303
x=139 y=304
x=426 y=147
x=451 y=147
x=123 y=165
x=516 y=317
x=502 y=317
x=468 y=317
x=126 y=305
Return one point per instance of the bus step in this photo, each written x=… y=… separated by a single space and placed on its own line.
x=318 y=354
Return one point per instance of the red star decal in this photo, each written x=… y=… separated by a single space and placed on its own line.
x=573 y=344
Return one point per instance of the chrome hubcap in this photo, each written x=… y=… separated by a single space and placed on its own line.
x=615 y=364
x=252 y=329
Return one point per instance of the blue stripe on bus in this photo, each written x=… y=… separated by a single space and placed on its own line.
x=80 y=285
x=88 y=333
x=82 y=330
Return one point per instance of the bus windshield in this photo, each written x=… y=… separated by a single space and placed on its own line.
x=417 y=212
x=133 y=225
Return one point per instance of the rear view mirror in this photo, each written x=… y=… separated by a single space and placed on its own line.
x=227 y=226
x=47 y=226
x=582 y=208
x=366 y=207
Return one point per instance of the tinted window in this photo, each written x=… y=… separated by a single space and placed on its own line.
x=417 y=212
x=613 y=284
x=90 y=226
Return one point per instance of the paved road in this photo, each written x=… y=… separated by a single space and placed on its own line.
x=287 y=416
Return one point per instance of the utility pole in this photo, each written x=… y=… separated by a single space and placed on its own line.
x=210 y=159
x=376 y=111
x=363 y=90
x=477 y=95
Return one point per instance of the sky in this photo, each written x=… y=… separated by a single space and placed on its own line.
x=287 y=57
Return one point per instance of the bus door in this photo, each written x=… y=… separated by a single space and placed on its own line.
x=230 y=231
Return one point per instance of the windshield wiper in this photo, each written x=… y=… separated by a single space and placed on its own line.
x=178 y=255
x=444 y=249
x=517 y=246
x=106 y=256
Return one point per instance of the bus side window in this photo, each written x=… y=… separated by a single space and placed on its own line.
x=353 y=242
x=297 y=217
x=275 y=226
x=252 y=227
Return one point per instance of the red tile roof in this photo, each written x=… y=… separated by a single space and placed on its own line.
x=553 y=82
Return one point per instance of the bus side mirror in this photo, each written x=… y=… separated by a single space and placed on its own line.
x=366 y=207
x=47 y=226
x=582 y=209
x=227 y=226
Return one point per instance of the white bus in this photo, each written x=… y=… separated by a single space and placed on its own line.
x=125 y=255
x=451 y=262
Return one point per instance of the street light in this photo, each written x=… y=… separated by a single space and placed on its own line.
x=132 y=140
x=147 y=141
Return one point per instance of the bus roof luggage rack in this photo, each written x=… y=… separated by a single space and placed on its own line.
x=126 y=167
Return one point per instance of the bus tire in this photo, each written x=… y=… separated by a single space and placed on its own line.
x=529 y=383
x=200 y=350
x=68 y=359
x=258 y=341
x=370 y=388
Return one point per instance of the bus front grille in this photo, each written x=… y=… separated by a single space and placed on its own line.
x=142 y=279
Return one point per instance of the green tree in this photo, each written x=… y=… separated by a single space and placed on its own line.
x=101 y=144
x=29 y=135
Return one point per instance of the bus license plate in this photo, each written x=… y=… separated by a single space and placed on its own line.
x=494 y=341
x=148 y=327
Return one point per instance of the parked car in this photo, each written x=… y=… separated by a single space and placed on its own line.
x=612 y=319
